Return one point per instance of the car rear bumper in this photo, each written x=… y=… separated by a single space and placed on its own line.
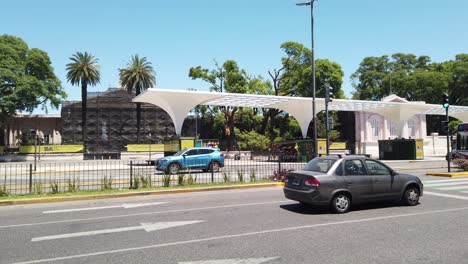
x=310 y=197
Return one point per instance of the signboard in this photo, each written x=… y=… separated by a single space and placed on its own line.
x=51 y=149
x=145 y=147
x=419 y=149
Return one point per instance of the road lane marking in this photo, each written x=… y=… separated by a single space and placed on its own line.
x=447 y=195
x=100 y=253
x=432 y=185
x=459 y=187
x=437 y=181
x=148 y=227
x=125 y=206
x=140 y=214
x=232 y=261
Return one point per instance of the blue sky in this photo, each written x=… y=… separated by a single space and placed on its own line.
x=177 y=35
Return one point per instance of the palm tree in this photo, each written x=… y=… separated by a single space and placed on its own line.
x=83 y=70
x=137 y=76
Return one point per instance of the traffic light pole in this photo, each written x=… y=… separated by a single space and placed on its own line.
x=448 y=139
x=327 y=128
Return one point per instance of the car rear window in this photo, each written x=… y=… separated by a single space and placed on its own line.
x=319 y=164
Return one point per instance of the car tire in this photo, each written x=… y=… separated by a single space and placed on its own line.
x=341 y=203
x=214 y=166
x=173 y=168
x=411 y=196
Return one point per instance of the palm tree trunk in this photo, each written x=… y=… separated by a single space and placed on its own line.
x=138 y=122
x=84 y=98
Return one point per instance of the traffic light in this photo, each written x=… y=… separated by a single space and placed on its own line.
x=444 y=126
x=330 y=123
x=445 y=100
x=328 y=94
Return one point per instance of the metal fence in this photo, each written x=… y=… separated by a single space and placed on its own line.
x=70 y=176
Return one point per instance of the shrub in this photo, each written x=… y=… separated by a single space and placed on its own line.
x=54 y=186
x=3 y=191
x=38 y=189
x=191 y=180
x=73 y=184
x=253 y=177
x=146 y=182
x=240 y=176
x=180 y=179
x=136 y=182
x=106 y=183
x=226 y=177
x=166 y=180
x=461 y=163
x=280 y=175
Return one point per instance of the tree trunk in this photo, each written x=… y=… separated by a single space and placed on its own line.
x=138 y=110
x=84 y=126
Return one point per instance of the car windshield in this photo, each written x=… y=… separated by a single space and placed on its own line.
x=319 y=164
x=179 y=153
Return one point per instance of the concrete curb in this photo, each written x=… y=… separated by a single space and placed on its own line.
x=133 y=194
x=449 y=174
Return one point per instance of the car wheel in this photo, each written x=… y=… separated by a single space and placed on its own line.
x=214 y=166
x=411 y=196
x=173 y=168
x=341 y=203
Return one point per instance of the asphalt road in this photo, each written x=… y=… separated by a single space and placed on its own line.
x=239 y=226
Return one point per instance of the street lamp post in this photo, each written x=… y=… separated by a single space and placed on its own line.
x=311 y=4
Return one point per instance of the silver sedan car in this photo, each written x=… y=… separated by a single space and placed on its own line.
x=339 y=182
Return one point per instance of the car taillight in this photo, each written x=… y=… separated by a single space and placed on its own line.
x=222 y=155
x=312 y=182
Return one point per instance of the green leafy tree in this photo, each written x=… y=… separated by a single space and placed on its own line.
x=27 y=79
x=83 y=70
x=458 y=88
x=297 y=77
x=137 y=77
x=228 y=78
x=252 y=140
x=406 y=75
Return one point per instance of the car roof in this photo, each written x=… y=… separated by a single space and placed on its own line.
x=337 y=157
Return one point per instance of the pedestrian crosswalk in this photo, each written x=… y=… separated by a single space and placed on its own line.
x=458 y=185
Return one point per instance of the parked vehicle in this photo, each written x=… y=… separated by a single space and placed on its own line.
x=339 y=182
x=461 y=148
x=206 y=159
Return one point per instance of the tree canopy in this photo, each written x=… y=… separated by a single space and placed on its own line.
x=27 y=79
x=83 y=70
x=138 y=76
x=412 y=77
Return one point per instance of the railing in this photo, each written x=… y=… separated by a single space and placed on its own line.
x=55 y=177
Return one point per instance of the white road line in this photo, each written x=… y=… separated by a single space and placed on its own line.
x=232 y=261
x=148 y=227
x=447 y=195
x=240 y=235
x=445 y=184
x=125 y=206
x=139 y=214
x=459 y=187
x=435 y=181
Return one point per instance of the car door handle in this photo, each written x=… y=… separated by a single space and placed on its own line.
x=350 y=182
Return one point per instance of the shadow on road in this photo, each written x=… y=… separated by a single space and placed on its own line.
x=315 y=210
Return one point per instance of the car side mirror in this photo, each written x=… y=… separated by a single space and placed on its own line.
x=183 y=155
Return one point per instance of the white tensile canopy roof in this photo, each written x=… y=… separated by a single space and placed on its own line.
x=178 y=104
